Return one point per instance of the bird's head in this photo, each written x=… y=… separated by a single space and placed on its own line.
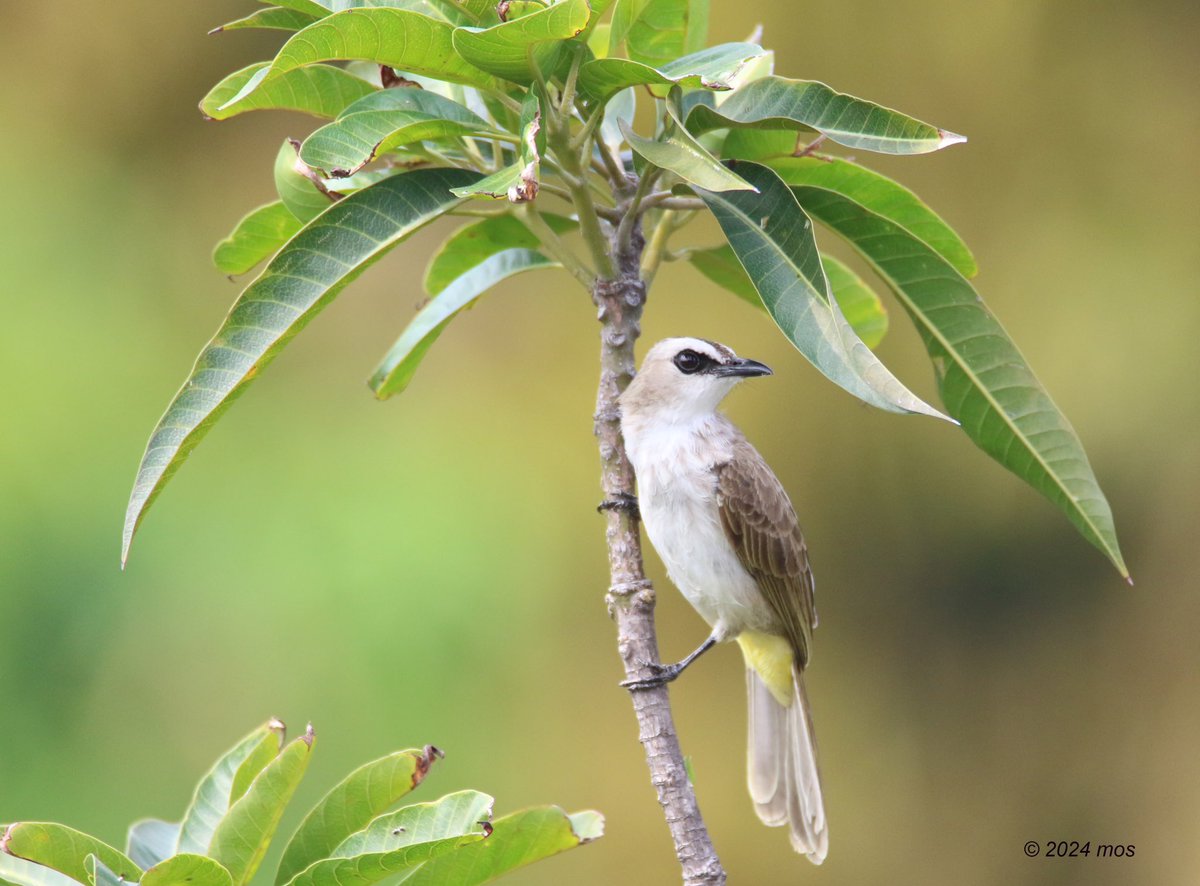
x=683 y=378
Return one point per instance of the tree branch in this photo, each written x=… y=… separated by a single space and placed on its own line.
x=619 y=300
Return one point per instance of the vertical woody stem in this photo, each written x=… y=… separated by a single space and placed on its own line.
x=619 y=300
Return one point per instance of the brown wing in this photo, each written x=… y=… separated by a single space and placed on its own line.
x=759 y=520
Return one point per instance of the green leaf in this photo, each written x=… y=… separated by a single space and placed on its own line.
x=64 y=849
x=657 y=31
x=773 y=239
x=778 y=103
x=272 y=18
x=405 y=40
x=883 y=197
x=472 y=243
x=100 y=874
x=211 y=801
x=350 y=806
x=242 y=837
x=517 y=840
x=296 y=184
x=258 y=235
x=151 y=840
x=402 y=841
x=713 y=68
x=308 y=7
x=680 y=153
x=319 y=90
x=517 y=183
x=19 y=872
x=187 y=870
x=401 y=362
x=387 y=120
x=860 y=305
x=301 y=280
x=506 y=50
x=984 y=381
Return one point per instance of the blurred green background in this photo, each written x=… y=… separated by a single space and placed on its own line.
x=432 y=569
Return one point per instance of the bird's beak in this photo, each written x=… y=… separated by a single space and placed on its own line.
x=741 y=368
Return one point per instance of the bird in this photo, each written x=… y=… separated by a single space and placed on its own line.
x=729 y=537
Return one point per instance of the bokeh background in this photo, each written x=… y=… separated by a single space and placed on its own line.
x=432 y=569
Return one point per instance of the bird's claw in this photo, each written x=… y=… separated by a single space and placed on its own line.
x=622 y=501
x=662 y=675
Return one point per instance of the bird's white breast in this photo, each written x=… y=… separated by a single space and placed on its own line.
x=677 y=494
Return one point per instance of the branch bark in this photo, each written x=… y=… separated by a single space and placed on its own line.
x=619 y=300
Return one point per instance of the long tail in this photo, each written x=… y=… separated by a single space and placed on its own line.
x=784 y=782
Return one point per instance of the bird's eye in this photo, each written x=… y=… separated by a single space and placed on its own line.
x=689 y=362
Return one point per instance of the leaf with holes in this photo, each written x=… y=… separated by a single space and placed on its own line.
x=773 y=239
x=301 y=280
x=778 y=103
x=517 y=840
x=350 y=806
x=984 y=381
x=319 y=90
x=403 y=841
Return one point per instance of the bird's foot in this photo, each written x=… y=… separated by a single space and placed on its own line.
x=662 y=674
x=622 y=501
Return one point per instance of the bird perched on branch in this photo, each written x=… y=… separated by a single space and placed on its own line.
x=726 y=530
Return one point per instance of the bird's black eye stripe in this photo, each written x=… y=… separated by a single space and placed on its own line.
x=689 y=362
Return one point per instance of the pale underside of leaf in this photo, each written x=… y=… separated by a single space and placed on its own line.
x=773 y=239
x=398 y=367
x=985 y=381
x=714 y=68
x=687 y=158
x=151 y=840
x=301 y=280
x=778 y=103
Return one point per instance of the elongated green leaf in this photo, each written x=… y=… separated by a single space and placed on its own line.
x=773 y=239
x=883 y=197
x=64 y=849
x=401 y=362
x=260 y=758
x=517 y=840
x=481 y=13
x=302 y=279
x=354 y=140
x=350 y=806
x=517 y=183
x=242 y=836
x=506 y=50
x=258 y=235
x=319 y=90
x=778 y=103
x=859 y=303
x=984 y=381
x=296 y=185
x=151 y=840
x=472 y=243
x=274 y=18
x=422 y=101
x=405 y=40
x=19 y=872
x=100 y=874
x=187 y=870
x=211 y=801
x=683 y=155
x=713 y=68
x=402 y=841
